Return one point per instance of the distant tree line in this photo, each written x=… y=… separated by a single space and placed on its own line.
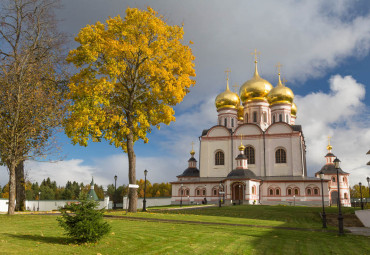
x=355 y=191
x=48 y=190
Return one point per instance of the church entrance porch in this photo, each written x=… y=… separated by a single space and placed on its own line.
x=238 y=191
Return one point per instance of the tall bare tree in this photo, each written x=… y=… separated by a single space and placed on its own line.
x=31 y=87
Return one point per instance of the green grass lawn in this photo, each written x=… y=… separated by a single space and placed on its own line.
x=40 y=234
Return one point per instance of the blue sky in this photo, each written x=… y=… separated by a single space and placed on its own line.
x=322 y=45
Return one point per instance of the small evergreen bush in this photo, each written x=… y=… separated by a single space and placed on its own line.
x=83 y=222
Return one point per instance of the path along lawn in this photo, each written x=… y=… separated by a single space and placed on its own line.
x=40 y=234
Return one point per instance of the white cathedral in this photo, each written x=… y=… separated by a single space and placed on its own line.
x=256 y=154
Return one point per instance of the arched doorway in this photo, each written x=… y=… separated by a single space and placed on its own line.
x=238 y=191
x=334 y=197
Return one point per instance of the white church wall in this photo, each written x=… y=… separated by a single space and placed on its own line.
x=209 y=147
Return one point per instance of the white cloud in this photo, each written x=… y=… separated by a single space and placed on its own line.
x=342 y=115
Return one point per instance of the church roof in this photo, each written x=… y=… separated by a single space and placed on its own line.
x=330 y=169
x=289 y=178
x=330 y=155
x=241 y=156
x=92 y=195
x=192 y=159
x=241 y=173
x=297 y=128
x=190 y=172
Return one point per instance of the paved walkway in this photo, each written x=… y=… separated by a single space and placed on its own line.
x=359 y=231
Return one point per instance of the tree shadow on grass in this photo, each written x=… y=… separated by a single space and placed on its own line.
x=42 y=239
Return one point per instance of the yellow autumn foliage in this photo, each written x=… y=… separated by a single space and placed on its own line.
x=132 y=71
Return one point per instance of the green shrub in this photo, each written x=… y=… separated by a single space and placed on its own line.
x=83 y=222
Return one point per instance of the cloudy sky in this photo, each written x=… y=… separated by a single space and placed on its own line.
x=322 y=45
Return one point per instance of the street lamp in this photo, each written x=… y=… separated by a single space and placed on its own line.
x=323 y=205
x=368 y=185
x=144 y=201
x=181 y=194
x=294 y=200
x=239 y=193
x=38 y=202
x=115 y=192
x=219 y=194
x=362 y=204
x=340 y=216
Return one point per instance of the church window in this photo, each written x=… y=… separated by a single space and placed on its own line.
x=289 y=192
x=345 y=196
x=264 y=117
x=220 y=121
x=333 y=179
x=197 y=192
x=296 y=191
x=219 y=158
x=277 y=192
x=316 y=191
x=253 y=190
x=249 y=152
x=204 y=192
x=273 y=119
x=271 y=192
x=225 y=122
x=280 y=117
x=246 y=118
x=187 y=192
x=309 y=193
x=280 y=156
x=344 y=179
x=182 y=192
x=232 y=122
x=254 y=117
x=215 y=192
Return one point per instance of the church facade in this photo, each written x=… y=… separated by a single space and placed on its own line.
x=256 y=154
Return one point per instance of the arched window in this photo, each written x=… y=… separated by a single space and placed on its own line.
x=309 y=192
x=204 y=192
x=273 y=119
x=333 y=179
x=296 y=191
x=344 y=179
x=187 y=192
x=280 y=117
x=280 y=156
x=225 y=122
x=316 y=191
x=345 y=196
x=253 y=190
x=277 y=192
x=219 y=158
x=220 y=121
x=246 y=118
x=271 y=192
x=289 y=191
x=232 y=122
x=215 y=190
x=254 y=117
x=197 y=192
x=264 y=117
x=249 y=152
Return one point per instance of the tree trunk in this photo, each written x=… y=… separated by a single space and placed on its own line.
x=132 y=207
x=20 y=196
x=11 y=205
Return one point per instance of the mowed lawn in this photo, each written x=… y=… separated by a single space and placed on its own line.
x=40 y=234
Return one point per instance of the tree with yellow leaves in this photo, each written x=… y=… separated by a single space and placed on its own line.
x=132 y=71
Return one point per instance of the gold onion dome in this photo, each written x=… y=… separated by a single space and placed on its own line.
x=241 y=147
x=294 y=110
x=280 y=94
x=255 y=89
x=240 y=112
x=227 y=99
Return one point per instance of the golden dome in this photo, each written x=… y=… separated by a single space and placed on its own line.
x=241 y=147
x=255 y=89
x=280 y=94
x=240 y=112
x=294 y=110
x=227 y=99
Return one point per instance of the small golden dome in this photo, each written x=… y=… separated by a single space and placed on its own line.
x=240 y=112
x=255 y=89
x=280 y=94
x=294 y=110
x=227 y=99
x=329 y=148
x=241 y=147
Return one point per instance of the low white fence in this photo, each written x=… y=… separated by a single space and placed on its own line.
x=50 y=205
x=151 y=201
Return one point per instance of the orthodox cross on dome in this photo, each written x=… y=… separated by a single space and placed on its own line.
x=278 y=65
x=329 y=147
x=235 y=86
x=284 y=81
x=255 y=53
x=227 y=78
x=192 y=152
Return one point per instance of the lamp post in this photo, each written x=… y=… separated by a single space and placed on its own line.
x=115 y=192
x=323 y=205
x=368 y=185
x=181 y=194
x=239 y=193
x=38 y=202
x=144 y=201
x=219 y=195
x=294 y=200
x=362 y=204
x=340 y=216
